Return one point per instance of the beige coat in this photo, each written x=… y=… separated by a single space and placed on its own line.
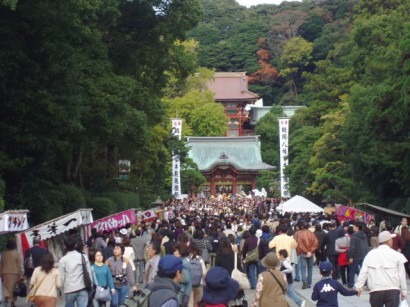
x=49 y=282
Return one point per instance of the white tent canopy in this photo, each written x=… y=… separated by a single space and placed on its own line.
x=299 y=204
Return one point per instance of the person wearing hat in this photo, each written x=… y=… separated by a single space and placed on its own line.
x=383 y=269
x=166 y=282
x=325 y=291
x=272 y=284
x=219 y=288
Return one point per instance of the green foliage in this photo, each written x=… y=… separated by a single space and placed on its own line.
x=196 y=106
x=269 y=180
x=191 y=177
x=81 y=89
x=297 y=55
x=10 y=3
x=102 y=207
x=268 y=129
x=123 y=200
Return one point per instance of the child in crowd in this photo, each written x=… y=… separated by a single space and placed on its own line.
x=287 y=269
x=325 y=291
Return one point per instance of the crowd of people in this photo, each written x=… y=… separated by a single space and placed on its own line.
x=191 y=256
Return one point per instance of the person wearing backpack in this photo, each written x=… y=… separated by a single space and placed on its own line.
x=181 y=251
x=166 y=281
x=198 y=271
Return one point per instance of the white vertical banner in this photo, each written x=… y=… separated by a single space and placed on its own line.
x=176 y=165
x=284 y=151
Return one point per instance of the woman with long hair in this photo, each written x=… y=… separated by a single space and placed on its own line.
x=44 y=282
x=101 y=276
x=225 y=258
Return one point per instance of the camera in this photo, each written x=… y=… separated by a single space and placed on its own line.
x=120 y=278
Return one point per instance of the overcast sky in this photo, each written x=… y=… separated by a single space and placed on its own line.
x=249 y=3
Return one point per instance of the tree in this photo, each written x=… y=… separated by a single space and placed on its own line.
x=197 y=107
x=82 y=89
x=296 y=56
x=284 y=27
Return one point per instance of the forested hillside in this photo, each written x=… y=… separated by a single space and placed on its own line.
x=348 y=63
x=81 y=87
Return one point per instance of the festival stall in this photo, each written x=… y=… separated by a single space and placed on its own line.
x=52 y=231
x=299 y=204
x=385 y=211
x=346 y=213
x=152 y=215
x=13 y=221
x=114 y=221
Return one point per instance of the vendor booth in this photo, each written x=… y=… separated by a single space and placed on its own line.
x=345 y=213
x=299 y=204
x=384 y=211
x=52 y=231
x=13 y=221
x=114 y=221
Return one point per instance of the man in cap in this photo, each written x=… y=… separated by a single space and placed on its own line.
x=383 y=269
x=166 y=281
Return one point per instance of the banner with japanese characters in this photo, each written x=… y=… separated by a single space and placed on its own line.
x=13 y=221
x=115 y=221
x=176 y=165
x=284 y=151
x=60 y=225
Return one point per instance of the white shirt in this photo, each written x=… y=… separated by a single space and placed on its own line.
x=383 y=268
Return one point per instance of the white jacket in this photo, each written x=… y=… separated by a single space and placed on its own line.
x=383 y=268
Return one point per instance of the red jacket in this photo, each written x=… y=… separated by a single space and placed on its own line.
x=398 y=242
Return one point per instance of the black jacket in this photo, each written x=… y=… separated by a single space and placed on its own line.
x=359 y=246
x=329 y=240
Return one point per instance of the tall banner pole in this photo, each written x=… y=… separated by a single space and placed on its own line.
x=176 y=167
x=284 y=151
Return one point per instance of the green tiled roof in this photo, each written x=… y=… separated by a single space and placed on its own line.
x=243 y=153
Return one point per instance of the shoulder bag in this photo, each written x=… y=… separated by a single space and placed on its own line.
x=87 y=280
x=253 y=255
x=281 y=286
x=240 y=277
x=32 y=294
x=101 y=294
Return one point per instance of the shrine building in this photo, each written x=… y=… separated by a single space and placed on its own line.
x=231 y=90
x=230 y=164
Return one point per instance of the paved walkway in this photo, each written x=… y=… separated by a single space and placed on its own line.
x=344 y=301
